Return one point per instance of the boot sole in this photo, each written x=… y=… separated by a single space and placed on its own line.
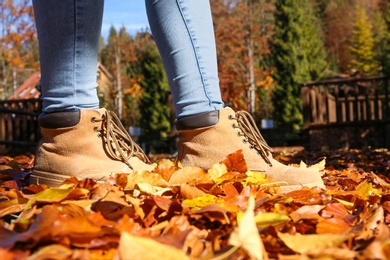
x=49 y=179
x=52 y=180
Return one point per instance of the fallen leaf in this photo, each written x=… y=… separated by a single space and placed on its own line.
x=133 y=247
x=305 y=243
x=190 y=192
x=246 y=234
x=307 y=212
x=203 y=201
x=217 y=170
x=235 y=162
x=151 y=178
x=190 y=175
x=271 y=219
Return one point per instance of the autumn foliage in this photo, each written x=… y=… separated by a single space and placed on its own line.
x=178 y=212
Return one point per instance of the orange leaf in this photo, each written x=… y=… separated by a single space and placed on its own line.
x=338 y=210
x=190 y=192
x=235 y=162
x=307 y=212
x=333 y=226
x=190 y=175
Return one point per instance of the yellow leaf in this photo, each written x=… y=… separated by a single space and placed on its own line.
x=347 y=204
x=217 y=170
x=203 y=201
x=53 y=195
x=150 y=189
x=246 y=234
x=364 y=190
x=133 y=247
x=304 y=243
x=270 y=219
x=255 y=178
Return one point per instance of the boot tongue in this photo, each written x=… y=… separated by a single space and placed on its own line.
x=198 y=121
x=59 y=119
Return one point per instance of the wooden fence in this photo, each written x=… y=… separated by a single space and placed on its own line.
x=350 y=102
x=346 y=101
x=18 y=123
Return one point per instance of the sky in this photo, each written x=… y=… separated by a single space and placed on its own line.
x=128 y=13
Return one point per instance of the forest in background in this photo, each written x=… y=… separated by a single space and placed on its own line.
x=265 y=49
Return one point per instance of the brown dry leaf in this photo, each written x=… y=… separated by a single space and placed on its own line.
x=144 y=177
x=12 y=206
x=338 y=210
x=190 y=192
x=152 y=190
x=133 y=247
x=15 y=254
x=307 y=212
x=235 y=162
x=12 y=209
x=215 y=212
x=376 y=250
x=305 y=243
x=309 y=196
x=332 y=253
x=190 y=175
x=55 y=251
x=246 y=234
x=373 y=225
x=5 y=167
x=165 y=168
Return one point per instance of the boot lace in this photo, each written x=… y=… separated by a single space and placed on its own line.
x=252 y=134
x=117 y=140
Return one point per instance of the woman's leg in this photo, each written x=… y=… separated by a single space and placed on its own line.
x=69 y=33
x=184 y=33
x=79 y=140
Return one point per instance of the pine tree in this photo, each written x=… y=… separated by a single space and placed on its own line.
x=385 y=61
x=364 y=59
x=379 y=29
x=154 y=102
x=298 y=55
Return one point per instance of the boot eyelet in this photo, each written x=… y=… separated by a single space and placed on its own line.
x=96 y=129
x=99 y=135
x=251 y=147
x=245 y=141
x=230 y=117
x=234 y=125
x=93 y=119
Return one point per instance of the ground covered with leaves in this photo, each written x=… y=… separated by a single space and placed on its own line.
x=226 y=212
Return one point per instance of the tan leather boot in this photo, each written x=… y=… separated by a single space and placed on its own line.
x=84 y=144
x=228 y=132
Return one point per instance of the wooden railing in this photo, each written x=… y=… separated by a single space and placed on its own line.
x=18 y=123
x=346 y=101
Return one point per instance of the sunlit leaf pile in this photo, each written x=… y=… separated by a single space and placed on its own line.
x=179 y=212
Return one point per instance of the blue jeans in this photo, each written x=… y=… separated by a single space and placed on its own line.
x=69 y=33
